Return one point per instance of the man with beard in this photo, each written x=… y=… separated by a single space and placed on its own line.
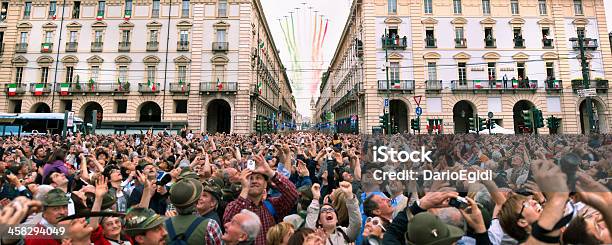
x=253 y=197
x=145 y=227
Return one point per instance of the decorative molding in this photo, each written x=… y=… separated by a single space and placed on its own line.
x=432 y=56
x=550 y=56
x=151 y=59
x=95 y=60
x=488 y=21
x=396 y=56
x=462 y=56
x=184 y=24
x=221 y=24
x=516 y=21
x=580 y=22
x=24 y=26
x=126 y=25
x=429 y=21
x=182 y=59
x=459 y=21
x=154 y=25
x=74 y=26
x=49 y=26
x=19 y=60
x=545 y=22
x=98 y=25
x=491 y=56
x=45 y=59
x=520 y=56
x=393 y=20
x=219 y=59
x=70 y=59
x=123 y=59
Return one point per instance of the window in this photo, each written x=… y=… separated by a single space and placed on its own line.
x=520 y=68
x=49 y=37
x=542 y=7
x=185 y=8
x=44 y=74
x=101 y=8
x=184 y=36
x=128 y=8
x=76 y=9
x=550 y=71
x=180 y=106
x=16 y=106
x=392 y=5
x=52 y=9
x=125 y=36
x=123 y=74
x=432 y=71
x=578 y=7
x=222 y=10
x=73 y=36
x=69 y=74
x=151 y=70
x=182 y=73
x=220 y=35
x=18 y=75
x=155 y=11
x=3 y=10
x=153 y=36
x=462 y=71
x=459 y=32
x=27 y=10
x=428 y=6
x=95 y=72
x=486 y=7
x=394 y=71
x=491 y=71
x=121 y=106
x=98 y=36
x=514 y=7
x=457 y=6
x=67 y=105
x=219 y=73
x=24 y=37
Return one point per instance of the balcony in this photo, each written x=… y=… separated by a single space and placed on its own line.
x=430 y=42
x=40 y=88
x=519 y=43
x=152 y=46
x=178 y=88
x=46 y=47
x=460 y=43
x=220 y=46
x=124 y=46
x=433 y=85
x=489 y=43
x=21 y=48
x=351 y=95
x=155 y=13
x=553 y=86
x=99 y=88
x=96 y=46
x=600 y=85
x=589 y=43
x=13 y=89
x=146 y=88
x=396 y=85
x=182 y=46
x=71 y=46
x=394 y=43
x=547 y=43
x=207 y=87
x=494 y=85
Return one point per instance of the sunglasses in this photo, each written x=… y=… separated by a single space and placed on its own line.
x=377 y=222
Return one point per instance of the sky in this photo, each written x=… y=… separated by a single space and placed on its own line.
x=306 y=48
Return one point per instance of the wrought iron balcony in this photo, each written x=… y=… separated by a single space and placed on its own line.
x=222 y=87
x=553 y=85
x=71 y=46
x=350 y=95
x=152 y=46
x=494 y=85
x=220 y=46
x=430 y=42
x=182 y=46
x=149 y=88
x=97 y=87
x=21 y=48
x=180 y=87
x=433 y=85
x=46 y=47
x=40 y=88
x=519 y=43
x=460 y=43
x=20 y=89
x=490 y=43
x=96 y=46
x=396 y=85
x=394 y=43
x=547 y=43
x=599 y=84
x=124 y=46
x=588 y=43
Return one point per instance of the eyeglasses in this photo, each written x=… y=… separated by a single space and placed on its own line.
x=525 y=204
x=328 y=210
x=377 y=222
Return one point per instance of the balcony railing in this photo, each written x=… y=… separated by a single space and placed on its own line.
x=589 y=43
x=152 y=46
x=547 y=43
x=146 y=88
x=124 y=46
x=394 y=43
x=71 y=46
x=20 y=89
x=430 y=42
x=596 y=84
x=220 y=46
x=155 y=13
x=98 y=88
x=40 y=88
x=96 y=46
x=179 y=87
x=490 y=43
x=475 y=85
x=351 y=95
x=46 y=47
x=519 y=43
x=460 y=43
x=553 y=85
x=182 y=46
x=21 y=48
x=433 y=85
x=396 y=85
x=214 y=87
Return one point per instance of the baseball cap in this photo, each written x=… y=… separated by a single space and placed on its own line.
x=427 y=229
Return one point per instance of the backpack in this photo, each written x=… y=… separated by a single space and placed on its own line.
x=181 y=239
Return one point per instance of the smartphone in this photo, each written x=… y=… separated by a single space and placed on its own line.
x=251 y=164
x=458 y=202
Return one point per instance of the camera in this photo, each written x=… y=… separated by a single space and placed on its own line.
x=458 y=202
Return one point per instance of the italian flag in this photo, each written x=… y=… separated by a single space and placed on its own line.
x=64 y=89
x=514 y=83
x=556 y=83
x=12 y=89
x=182 y=85
x=91 y=84
x=219 y=84
x=46 y=47
x=395 y=84
x=259 y=90
x=477 y=84
x=261 y=46
x=38 y=89
x=151 y=85
x=119 y=83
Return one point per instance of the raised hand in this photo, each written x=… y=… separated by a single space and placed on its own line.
x=347 y=188
x=262 y=166
x=101 y=186
x=473 y=216
x=316 y=191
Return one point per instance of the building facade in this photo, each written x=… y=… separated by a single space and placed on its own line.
x=144 y=63
x=458 y=59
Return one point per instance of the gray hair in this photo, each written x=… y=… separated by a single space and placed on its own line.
x=451 y=216
x=251 y=226
x=42 y=192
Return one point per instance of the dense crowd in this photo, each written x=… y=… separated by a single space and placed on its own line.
x=302 y=188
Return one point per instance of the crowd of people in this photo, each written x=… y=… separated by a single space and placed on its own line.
x=302 y=188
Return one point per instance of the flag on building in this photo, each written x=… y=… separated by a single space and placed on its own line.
x=151 y=85
x=182 y=84
x=219 y=84
x=91 y=84
x=12 y=89
x=38 y=88
x=477 y=84
x=64 y=89
x=259 y=90
x=46 y=47
x=119 y=84
x=262 y=46
x=514 y=83
x=396 y=84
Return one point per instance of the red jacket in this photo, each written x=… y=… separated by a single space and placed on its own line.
x=97 y=237
x=41 y=240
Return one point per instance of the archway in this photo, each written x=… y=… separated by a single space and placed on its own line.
x=218 y=119
x=399 y=115
x=599 y=117
x=87 y=112
x=517 y=112
x=40 y=108
x=150 y=112
x=462 y=111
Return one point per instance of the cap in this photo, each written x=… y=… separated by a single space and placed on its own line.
x=427 y=229
x=54 y=198
x=212 y=188
x=141 y=219
x=109 y=199
x=188 y=174
x=185 y=192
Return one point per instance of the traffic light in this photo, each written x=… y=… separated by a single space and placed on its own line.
x=482 y=125
x=473 y=124
x=415 y=124
x=550 y=122
x=384 y=121
x=527 y=119
x=538 y=118
x=260 y=124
